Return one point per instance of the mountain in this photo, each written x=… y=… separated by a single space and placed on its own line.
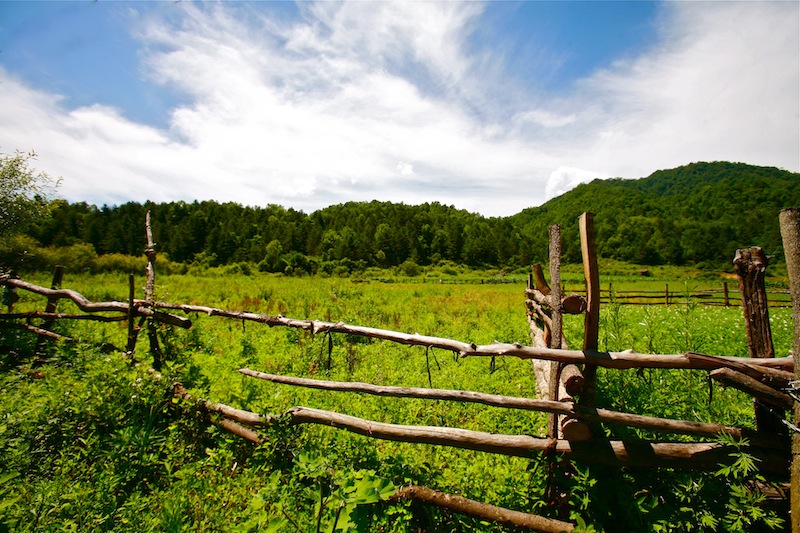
x=694 y=214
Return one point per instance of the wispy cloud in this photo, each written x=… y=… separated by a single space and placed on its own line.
x=355 y=101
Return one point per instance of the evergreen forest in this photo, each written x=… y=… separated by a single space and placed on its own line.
x=697 y=215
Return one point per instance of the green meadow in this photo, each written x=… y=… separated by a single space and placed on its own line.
x=91 y=442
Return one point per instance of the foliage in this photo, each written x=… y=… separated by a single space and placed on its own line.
x=697 y=214
x=90 y=441
x=24 y=192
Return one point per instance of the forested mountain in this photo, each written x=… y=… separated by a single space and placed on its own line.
x=692 y=214
x=698 y=213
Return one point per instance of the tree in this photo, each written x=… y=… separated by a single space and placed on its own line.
x=24 y=193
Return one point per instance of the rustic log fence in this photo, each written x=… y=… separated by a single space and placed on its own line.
x=567 y=386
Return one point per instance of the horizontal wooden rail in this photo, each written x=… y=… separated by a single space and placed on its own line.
x=95 y=307
x=631 y=452
x=620 y=360
x=570 y=409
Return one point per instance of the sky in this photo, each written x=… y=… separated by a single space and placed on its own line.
x=491 y=107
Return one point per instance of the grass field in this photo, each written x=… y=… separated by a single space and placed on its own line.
x=89 y=442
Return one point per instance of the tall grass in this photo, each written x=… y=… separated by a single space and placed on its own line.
x=91 y=442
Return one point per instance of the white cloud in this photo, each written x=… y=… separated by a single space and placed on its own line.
x=362 y=101
x=723 y=85
x=564 y=179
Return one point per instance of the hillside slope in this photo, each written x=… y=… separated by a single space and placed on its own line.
x=692 y=214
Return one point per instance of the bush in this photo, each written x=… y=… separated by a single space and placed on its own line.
x=410 y=268
x=120 y=263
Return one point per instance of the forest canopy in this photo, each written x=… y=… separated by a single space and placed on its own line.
x=698 y=214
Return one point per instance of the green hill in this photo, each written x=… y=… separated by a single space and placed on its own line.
x=692 y=214
x=695 y=214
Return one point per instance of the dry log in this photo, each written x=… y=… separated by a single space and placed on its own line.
x=568 y=409
x=751 y=265
x=623 y=360
x=573 y=304
x=240 y=431
x=150 y=252
x=572 y=381
x=481 y=510
x=95 y=307
x=752 y=387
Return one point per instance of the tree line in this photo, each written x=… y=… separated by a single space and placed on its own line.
x=695 y=214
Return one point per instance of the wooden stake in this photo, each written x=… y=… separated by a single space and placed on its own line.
x=51 y=307
x=150 y=270
x=726 y=300
x=790 y=233
x=555 y=322
x=751 y=265
x=591 y=324
x=133 y=332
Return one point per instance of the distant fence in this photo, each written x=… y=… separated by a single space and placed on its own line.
x=720 y=296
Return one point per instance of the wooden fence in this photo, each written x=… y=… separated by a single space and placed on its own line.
x=566 y=388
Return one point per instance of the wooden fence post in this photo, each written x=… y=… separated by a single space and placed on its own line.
x=152 y=332
x=51 y=307
x=751 y=265
x=555 y=316
x=592 y=319
x=133 y=331
x=790 y=233
x=725 y=294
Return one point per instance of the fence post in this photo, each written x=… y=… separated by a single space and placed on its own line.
x=750 y=265
x=591 y=322
x=556 y=329
x=52 y=305
x=152 y=332
x=132 y=330
x=725 y=293
x=790 y=233
x=666 y=294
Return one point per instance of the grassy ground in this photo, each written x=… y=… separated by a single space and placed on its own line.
x=89 y=442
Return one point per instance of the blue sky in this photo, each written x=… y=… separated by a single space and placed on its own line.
x=491 y=107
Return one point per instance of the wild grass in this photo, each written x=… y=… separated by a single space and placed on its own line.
x=90 y=442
